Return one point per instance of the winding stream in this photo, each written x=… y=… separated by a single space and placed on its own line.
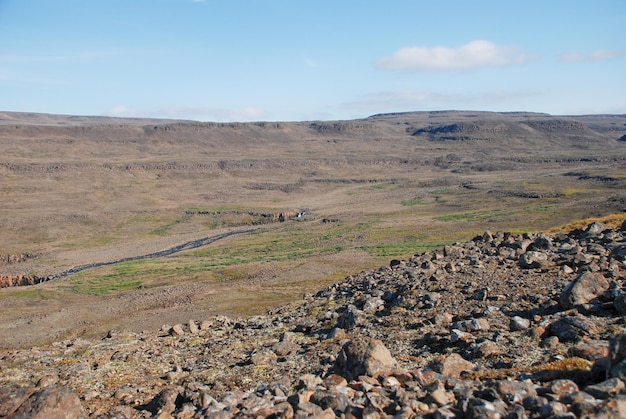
x=194 y=244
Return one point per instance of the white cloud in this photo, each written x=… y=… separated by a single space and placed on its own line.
x=475 y=54
x=200 y=114
x=597 y=55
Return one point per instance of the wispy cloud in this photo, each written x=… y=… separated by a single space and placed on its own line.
x=473 y=55
x=201 y=114
x=597 y=55
x=427 y=100
x=311 y=62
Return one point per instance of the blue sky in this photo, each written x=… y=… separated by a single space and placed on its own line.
x=289 y=60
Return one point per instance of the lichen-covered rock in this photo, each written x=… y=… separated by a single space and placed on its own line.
x=363 y=356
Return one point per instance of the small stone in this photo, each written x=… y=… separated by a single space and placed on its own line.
x=593 y=230
x=285 y=348
x=533 y=259
x=309 y=381
x=472 y=325
x=513 y=392
x=591 y=350
x=619 y=370
x=46 y=381
x=551 y=409
x=308 y=409
x=442 y=319
x=193 y=328
x=534 y=403
x=453 y=366
x=263 y=357
x=550 y=342
x=186 y=411
x=480 y=408
x=613 y=408
x=486 y=349
x=573 y=328
x=605 y=389
x=177 y=330
x=441 y=397
x=617 y=349
x=372 y=305
x=563 y=386
x=335 y=380
x=519 y=323
x=351 y=317
x=391 y=382
x=457 y=335
x=337 y=333
x=445 y=413
x=620 y=302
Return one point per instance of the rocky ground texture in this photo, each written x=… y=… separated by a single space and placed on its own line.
x=503 y=326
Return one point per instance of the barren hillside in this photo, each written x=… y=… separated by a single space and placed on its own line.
x=91 y=190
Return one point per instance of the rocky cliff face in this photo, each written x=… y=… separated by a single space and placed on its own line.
x=506 y=325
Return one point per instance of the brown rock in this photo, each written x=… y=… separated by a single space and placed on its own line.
x=363 y=356
x=486 y=349
x=515 y=391
x=177 y=330
x=165 y=401
x=52 y=402
x=453 y=366
x=572 y=328
x=12 y=398
x=583 y=289
x=263 y=357
x=592 y=350
x=563 y=386
x=609 y=409
x=605 y=389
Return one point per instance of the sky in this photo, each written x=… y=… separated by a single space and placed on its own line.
x=291 y=60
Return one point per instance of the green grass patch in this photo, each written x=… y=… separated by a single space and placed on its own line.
x=160 y=231
x=122 y=278
x=402 y=249
x=478 y=216
x=418 y=200
x=25 y=292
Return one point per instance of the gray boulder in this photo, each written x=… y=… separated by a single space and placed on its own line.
x=533 y=259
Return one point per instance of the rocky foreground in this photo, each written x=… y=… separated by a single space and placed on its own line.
x=506 y=325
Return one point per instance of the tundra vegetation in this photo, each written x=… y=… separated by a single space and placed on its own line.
x=81 y=190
